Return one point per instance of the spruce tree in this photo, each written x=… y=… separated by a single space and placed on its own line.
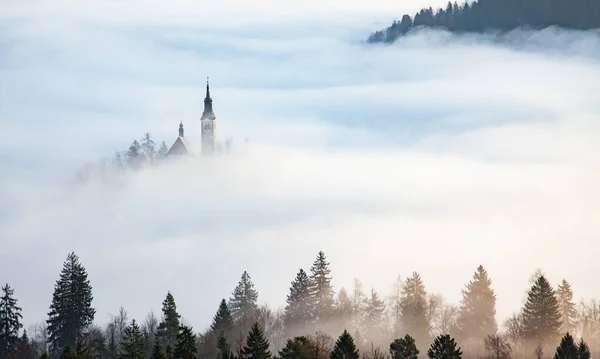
x=298 y=309
x=68 y=353
x=567 y=349
x=169 y=326
x=71 y=311
x=444 y=347
x=477 y=315
x=321 y=291
x=162 y=150
x=83 y=350
x=158 y=352
x=132 y=344
x=583 y=350
x=374 y=316
x=564 y=295
x=296 y=348
x=10 y=321
x=541 y=314
x=224 y=350
x=257 y=345
x=186 y=343
x=404 y=348
x=222 y=321
x=344 y=348
x=243 y=302
x=413 y=306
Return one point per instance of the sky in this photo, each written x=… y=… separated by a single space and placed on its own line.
x=435 y=154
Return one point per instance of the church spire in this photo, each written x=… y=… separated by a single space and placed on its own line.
x=208 y=109
x=181 y=129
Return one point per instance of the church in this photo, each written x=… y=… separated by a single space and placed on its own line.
x=181 y=146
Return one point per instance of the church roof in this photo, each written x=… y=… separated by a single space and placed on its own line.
x=180 y=147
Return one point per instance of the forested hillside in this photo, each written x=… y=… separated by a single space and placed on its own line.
x=498 y=15
x=316 y=323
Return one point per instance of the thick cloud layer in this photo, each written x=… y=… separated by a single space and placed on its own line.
x=436 y=154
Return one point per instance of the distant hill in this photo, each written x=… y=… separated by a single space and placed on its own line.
x=498 y=15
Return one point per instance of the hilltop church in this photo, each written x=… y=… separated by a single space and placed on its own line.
x=208 y=122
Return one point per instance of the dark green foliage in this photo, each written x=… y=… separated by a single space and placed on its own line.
x=132 y=344
x=243 y=302
x=158 y=352
x=222 y=321
x=45 y=356
x=186 y=344
x=321 y=291
x=564 y=295
x=299 y=305
x=444 y=347
x=477 y=316
x=83 y=350
x=344 y=348
x=257 y=345
x=541 y=314
x=413 y=309
x=567 y=349
x=71 y=310
x=10 y=321
x=404 y=348
x=169 y=326
x=583 y=350
x=68 y=353
x=224 y=348
x=297 y=348
x=498 y=15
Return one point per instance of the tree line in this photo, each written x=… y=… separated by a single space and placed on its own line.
x=497 y=15
x=411 y=321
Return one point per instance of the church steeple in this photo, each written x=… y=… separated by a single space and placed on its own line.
x=208 y=122
x=181 y=129
x=208 y=110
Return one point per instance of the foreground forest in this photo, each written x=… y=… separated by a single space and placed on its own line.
x=316 y=323
x=498 y=15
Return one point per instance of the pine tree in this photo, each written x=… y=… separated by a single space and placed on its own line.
x=71 y=310
x=358 y=307
x=541 y=314
x=186 y=344
x=162 y=150
x=83 y=350
x=148 y=146
x=344 y=348
x=243 y=302
x=158 y=352
x=404 y=348
x=10 y=321
x=257 y=345
x=132 y=344
x=414 y=309
x=296 y=348
x=321 y=291
x=298 y=309
x=583 y=350
x=564 y=295
x=68 y=353
x=134 y=154
x=567 y=348
x=169 y=326
x=224 y=348
x=444 y=347
x=222 y=321
x=374 y=316
x=477 y=315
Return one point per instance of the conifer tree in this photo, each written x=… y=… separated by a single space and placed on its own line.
x=158 y=352
x=186 y=344
x=583 y=350
x=296 y=348
x=444 y=347
x=477 y=315
x=162 y=150
x=10 y=321
x=344 y=348
x=567 y=349
x=169 y=326
x=374 y=316
x=83 y=350
x=404 y=348
x=71 y=310
x=343 y=310
x=358 y=307
x=222 y=321
x=68 y=353
x=298 y=309
x=223 y=347
x=257 y=345
x=243 y=302
x=564 y=295
x=45 y=355
x=321 y=291
x=132 y=344
x=541 y=314
x=414 y=309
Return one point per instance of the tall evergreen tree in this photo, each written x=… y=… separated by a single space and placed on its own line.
x=568 y=314
x=132 y=344
x=10 y=321
x=158 y=352
x=374 y=317
x=162 y=150
x=298 y=309
x=83 y=350
x=257 y=345
x=404 y=348
x=321 y=291
x=541 y=314
x=345 y=348
x=186 y=344
x=477 y=315
x=222 y=321
x=343 y=310
x=444 y=347
x=71 y=310
x=169 y=326
x=243 y=302
x=414 y=310
x=583 y=350
x=223 y=347
x=567 y=349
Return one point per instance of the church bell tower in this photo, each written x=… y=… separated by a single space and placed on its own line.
x=208 y=123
